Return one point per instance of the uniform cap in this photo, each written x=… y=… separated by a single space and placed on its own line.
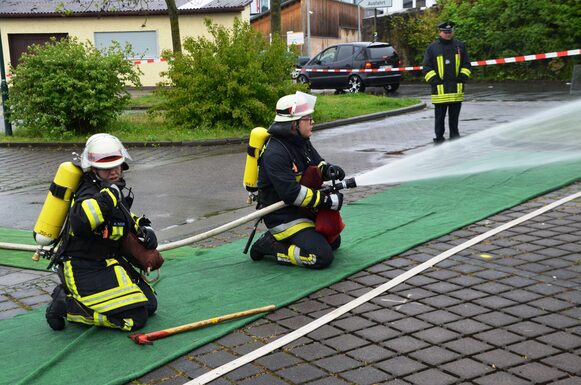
x=446 y=26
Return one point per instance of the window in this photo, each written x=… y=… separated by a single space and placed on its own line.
x=143 y=43
x=345 y=52
x=408 y=3
x=328 y=56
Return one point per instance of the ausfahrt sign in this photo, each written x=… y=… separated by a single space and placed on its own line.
x=375 y=3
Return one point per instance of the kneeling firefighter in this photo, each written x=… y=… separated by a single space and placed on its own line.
x=291 y=170
x=101 y=242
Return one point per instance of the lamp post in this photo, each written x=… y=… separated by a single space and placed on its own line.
x=4 y=90
x=309 y=28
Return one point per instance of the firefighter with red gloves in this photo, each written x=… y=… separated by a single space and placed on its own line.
x=291 y=170
x=102 y=241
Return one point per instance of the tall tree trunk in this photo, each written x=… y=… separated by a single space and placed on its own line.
x=275 y=17
x=174 y=22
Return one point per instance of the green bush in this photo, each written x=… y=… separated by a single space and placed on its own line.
x=66 y=88
x=231 y=80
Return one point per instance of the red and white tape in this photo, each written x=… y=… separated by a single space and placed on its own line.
x=147 y=61
x=506 y=60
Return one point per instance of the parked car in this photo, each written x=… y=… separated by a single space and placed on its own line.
x=362 y=55
x=301 y=61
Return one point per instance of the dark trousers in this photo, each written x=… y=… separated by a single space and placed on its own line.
x=453 y=115
x=314 y=244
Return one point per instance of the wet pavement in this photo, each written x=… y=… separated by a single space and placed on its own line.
x=506 y=311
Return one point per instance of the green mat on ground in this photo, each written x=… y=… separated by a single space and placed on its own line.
x=211 y=282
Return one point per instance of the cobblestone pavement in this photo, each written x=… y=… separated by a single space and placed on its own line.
x=505 y=311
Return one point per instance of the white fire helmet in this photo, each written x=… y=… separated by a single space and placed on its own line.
x=103 y=151
x=294 y=107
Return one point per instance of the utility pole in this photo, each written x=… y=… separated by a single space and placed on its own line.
x=4 y=89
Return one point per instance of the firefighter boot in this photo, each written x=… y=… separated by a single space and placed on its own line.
x=266 y=245
x=57 y=309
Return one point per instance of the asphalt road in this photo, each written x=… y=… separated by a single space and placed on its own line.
x=186 y=190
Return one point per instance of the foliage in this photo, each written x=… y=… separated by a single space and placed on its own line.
x=66 y=88
x=231 y=80
x=500 y=28
x=504 y=28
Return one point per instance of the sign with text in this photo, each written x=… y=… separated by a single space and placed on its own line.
x=375 y=3
x=296 y=38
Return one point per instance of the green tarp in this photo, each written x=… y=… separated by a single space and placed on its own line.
x=211 y=282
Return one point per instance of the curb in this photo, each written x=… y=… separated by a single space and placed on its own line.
x=218 y=142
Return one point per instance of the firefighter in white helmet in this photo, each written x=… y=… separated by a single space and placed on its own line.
x=101 y=243
x=290 y=169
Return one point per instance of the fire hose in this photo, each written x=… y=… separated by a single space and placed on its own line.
x=335 y=186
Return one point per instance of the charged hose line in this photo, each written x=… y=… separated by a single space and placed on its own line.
x=187 y=241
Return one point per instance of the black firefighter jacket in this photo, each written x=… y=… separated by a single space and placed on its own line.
x=446 y=67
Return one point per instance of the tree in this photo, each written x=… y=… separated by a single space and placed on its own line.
x=230 y=80
x=275 y=17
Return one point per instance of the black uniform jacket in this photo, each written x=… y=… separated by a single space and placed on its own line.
x=95 y=226
x=446 y=67
x=281 y=167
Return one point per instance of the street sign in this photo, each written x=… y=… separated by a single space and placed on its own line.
x=375 y=3
x=296 y=38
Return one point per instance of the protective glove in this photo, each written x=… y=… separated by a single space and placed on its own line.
x=334 y=172
x=138 y=255
x=462 y=78
x=435 y=81
x=333 y=201
x=112 y=195
x=143 y=221
x=147 y=236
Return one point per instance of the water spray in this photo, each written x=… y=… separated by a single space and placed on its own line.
x=544 y=138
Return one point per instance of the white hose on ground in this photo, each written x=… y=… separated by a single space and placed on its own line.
x=183 y=242
x=218 y=230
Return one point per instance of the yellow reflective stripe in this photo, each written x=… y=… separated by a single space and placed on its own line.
x=113 y=198
x=440 y=60
x=301 y=196
x=92 y=212
x=322 y=165
x=308 y=260
x=440 y=89
x=430 y=75
x=120 y=302
x=460 y=88
x=111 y=262
x=466 y=72
x=457 y=57
x=291 y=254
x=116 y=232
x=286 y=230
x=122 y=277
x=110 y=294
x=447 y=98
x=70 y=278
x=80 y=319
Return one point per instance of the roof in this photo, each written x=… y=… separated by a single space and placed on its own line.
x=27 y=8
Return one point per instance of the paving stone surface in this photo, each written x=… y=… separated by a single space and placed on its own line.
x=505 y=311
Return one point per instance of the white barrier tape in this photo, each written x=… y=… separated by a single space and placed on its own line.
x=276 y=344
x=515 y=59
x=478 y=63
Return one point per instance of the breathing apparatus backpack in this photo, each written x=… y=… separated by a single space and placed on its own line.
x=258 y=137
x=56 y=206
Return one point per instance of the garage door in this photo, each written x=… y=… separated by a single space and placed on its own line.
x=19 y=43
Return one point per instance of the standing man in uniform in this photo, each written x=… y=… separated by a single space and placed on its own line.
x=446 y=68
